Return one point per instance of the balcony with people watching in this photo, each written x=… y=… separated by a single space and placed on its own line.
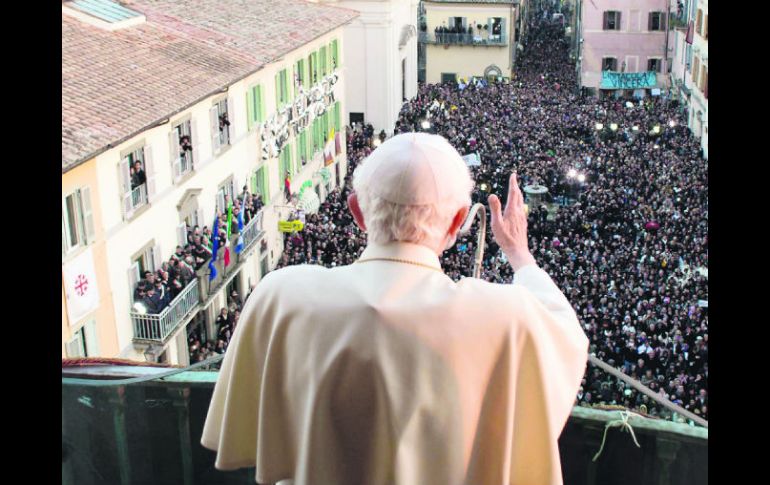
x=165 y=297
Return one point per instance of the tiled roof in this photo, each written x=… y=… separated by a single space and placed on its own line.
x=120 y=83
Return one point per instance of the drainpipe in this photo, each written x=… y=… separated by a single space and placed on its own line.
x=665 y=48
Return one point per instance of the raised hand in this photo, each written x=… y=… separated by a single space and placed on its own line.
x=510 y=227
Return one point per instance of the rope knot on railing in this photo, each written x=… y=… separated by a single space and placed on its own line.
x=623 y=424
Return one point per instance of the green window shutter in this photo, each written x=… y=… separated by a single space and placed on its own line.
x=314 y=57
x=289 y=158
x=261 y=98
x=335 y=54
x=249 y=109
x=278 y=90
x=254 y=188
x=298 y=74
x=337 y=123
x=287 y=75
x=265 y=184
x=323 y=60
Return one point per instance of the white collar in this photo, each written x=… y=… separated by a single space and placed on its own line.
x=411 y=252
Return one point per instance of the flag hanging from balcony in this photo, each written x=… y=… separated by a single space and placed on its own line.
x=690 y=29
x=239 y=246
x=214 y=249
x=80 y=286
x=229 y=226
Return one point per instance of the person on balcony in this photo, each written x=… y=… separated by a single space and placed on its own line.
x=393 y=372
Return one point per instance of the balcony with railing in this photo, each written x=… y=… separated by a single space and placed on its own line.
x=252 y=232
x=463 y=39
x=157 y=328
x=147 y=430
x=134 y=199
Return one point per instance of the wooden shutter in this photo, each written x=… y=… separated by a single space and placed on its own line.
x=214 y=122
x=261 y=98
x=254 y=183
x=451 y=22
x=650 y=20
x=230 y=110
x=133 y=278
x=88 y=216
x=149 y=170
x=503 y=34
x=606 y=20
x=181 y=233
x=197 y=158
x=277 y=90
x=91 y=343
x=198 y=218
x=249 y=109
x=74 y=347
x=617 y=21
x=124 y=183
x=663 y=22
x=157 y=259
x=173 y=153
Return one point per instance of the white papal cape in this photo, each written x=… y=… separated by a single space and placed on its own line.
x=387 y=372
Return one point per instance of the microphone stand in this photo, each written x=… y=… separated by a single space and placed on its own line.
x=477 y=209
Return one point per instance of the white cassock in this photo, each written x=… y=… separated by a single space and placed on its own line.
x=387 y=372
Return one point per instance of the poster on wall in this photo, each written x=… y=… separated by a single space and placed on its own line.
x=80 y=287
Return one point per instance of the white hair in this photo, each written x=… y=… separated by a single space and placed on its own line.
x=419 y=224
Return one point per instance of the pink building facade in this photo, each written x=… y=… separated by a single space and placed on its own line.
x=623 y=45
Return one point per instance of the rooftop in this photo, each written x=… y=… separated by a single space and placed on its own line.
x=116 y=84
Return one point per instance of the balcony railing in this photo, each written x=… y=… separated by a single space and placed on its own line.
x=463 y=39
x=149 y=432
x=158 y=328
x=134 y=199
x=252 y=232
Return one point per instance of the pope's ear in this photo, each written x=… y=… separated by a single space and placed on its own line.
x=458 y=220
x=355 y=209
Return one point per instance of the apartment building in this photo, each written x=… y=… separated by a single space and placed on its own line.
x=169 y=106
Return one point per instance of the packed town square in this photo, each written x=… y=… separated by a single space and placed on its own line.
x=623 y=230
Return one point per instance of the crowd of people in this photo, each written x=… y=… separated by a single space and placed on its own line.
x=157 y=289
x=629 y=244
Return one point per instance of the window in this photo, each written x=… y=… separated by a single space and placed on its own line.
x=220 y=126
x=654 y=64
x=255 y=106
x=260 y=183
x=313 y=67
x=83 y=342
x=299 y=75
x=611 y=20
x=609 y=64
x=181 y=149
x=334 y=48
x=285 y=162
x=281 y=88
x=703 y=84
x=77 y=220
x=656 y=22
x=191 y=216
x=136 y=174
x=302 y=154
x=706 y=27
x=448 y=77
x=225 y=194
x=147 y=259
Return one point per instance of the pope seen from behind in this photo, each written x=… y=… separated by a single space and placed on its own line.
x=388 y=372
